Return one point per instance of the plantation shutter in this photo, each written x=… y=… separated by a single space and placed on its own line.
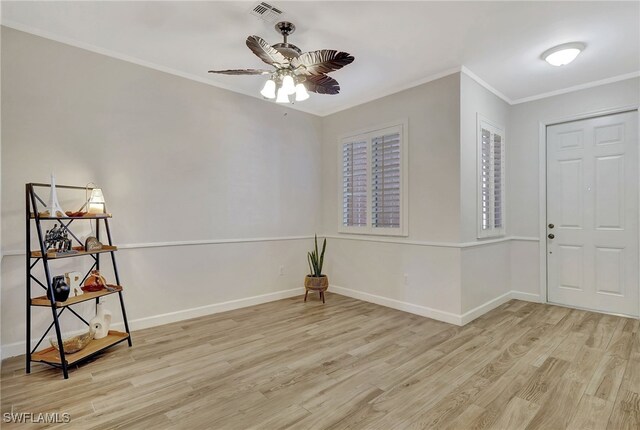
x=491 y=180
x=497 y=181
x=354 y=183
x=386 y=180
x=485 y=179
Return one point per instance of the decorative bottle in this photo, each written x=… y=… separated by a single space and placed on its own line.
x=101 y=322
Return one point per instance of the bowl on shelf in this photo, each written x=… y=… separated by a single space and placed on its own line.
x=73 y=344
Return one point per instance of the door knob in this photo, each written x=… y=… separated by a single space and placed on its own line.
x=551 y=236
x=551 y=225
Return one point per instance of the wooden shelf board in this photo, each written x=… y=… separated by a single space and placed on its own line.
x=51 y=255
x=93 y=216
x=51 y=355
x=72 y=300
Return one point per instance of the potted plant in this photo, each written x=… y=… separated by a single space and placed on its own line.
x=315 y=280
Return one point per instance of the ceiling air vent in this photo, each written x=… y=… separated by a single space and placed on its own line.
x=266 y=11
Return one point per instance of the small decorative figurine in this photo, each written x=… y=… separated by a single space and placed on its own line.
x=92 y=244
x=73 y=279
x=57 y=240
x=53 y=208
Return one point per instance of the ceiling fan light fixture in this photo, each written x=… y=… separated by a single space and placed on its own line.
x=288 y=85
x=269 y=89
x=293 y=67
x=283 y=97
x=564 y=54
x=301 y=93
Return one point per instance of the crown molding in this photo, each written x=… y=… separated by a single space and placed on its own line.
x=592 y=84
x=134 y=60
x=485 y=85
x=395 y=90
x=459 y=69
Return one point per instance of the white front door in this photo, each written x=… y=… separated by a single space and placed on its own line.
x=592 y=214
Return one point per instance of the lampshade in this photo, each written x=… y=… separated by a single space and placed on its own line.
x=96 y=203
x=301 y=93
x=288 y=85
x=269 y=89
x=282 y=96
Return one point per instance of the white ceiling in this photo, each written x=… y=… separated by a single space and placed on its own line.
x=396 y=44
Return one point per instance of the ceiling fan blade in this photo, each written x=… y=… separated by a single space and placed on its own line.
x=242 y=72
x=322 y=84
x=266 y=52
x=321 y=62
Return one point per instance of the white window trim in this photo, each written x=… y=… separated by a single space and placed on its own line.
x=370 y=132
x=487 y=124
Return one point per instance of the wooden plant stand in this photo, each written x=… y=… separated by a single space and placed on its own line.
x=316 y=283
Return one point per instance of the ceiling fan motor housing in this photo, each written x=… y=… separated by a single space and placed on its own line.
x=289 y=50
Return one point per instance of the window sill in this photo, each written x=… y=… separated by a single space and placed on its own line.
x=368 y=232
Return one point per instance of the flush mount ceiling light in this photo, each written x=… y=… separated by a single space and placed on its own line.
x=295 y=72
x=563 y=54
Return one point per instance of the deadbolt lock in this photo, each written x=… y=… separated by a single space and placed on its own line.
x=551 y=225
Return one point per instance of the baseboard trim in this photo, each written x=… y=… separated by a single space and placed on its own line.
x=424 y=311
x=18 y=348
x=478 y=311
x=527 y=297
x=436 y=314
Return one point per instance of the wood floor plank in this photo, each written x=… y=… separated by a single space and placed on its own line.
x=559 y=407
x=349 y=364
x=592 y=414
x=607 y=377
x=543 y=380
x=626 y=412
x=516 y=415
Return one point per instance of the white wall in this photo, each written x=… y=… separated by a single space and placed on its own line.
x=523 y=165
x=433 y=112
x=371 y=265
x=485 y=269
x=0 y=187
x=213 y=191
x=177 y=160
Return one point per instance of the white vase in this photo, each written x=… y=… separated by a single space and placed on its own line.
x=101 y=322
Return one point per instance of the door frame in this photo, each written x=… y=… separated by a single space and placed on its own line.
x=542 y=185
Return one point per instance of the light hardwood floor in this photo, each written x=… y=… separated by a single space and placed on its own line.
x=351 y=364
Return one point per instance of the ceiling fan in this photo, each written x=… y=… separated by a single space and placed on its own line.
x=295 y=72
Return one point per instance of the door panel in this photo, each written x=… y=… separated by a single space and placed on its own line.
x=609 y=270
x=592 y=203
x=571 y=267
x=609 y=192
x=570 y=187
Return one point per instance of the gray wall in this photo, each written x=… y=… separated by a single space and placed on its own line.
x=177 y=160
x=523 y=146
x=371 y=267
x=484 y=269
x=524 y=142
x=433 y=111
x=474 y=100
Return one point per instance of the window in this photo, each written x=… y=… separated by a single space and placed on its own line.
x=373 y=182
x=491 y=179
